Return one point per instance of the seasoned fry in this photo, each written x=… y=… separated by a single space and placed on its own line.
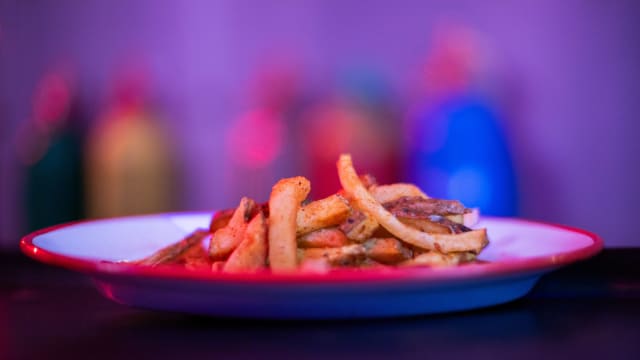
x=171 y=254
x=251 y=253
x=323 y=238
x=437 y=259
x=225 y=240
x=284 y=203
x=319 y=214
x=220 y=219
x=359 y=226
x=386 y=250
x=425 y=225
x=392 y=192
x=368 y=263
x=471 y=218
x=342 y=256
x=196 y=258
x=469 y=241
x=436 y=224
x=468 y=219
x=419 y=208
x=316 y=265
x=457 y=218
x=217 y=266
x=197 y=263
x=368 y=180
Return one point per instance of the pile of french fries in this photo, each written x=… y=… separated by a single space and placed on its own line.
x=364 y=225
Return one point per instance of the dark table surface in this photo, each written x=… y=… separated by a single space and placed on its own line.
x=587 y=310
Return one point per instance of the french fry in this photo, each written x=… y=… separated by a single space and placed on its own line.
x=316 y=265
x=368 y=180
x=359 y=226
x=322 y=213
x=171 y=254
x=471 y=218
x=220 y=219
x=226 y=239
x=425 y=225
x=284 y=203
x=468 y=219
x=469 y=241
x=341 y=256
x=198 y=260
x=251 y=253
x=419 y=208
x=368 y=263
x=217 y=266
x=437 y=259
x=323 y=238
x=196 y=257
x=386 y=250
x=392 y=192
x=457 y=218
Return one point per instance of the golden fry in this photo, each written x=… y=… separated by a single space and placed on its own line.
x=251 y=253
x=359 y=226
x=425 y=225
x=319 y=214
x=315 y=265
x=369 y=263
x=468 y=219
x=386 y=250
x=197 y=262
x=458 y=218
x=341 y=256
x=196 y=258
x=226 y=239
x=323 y=238
x=437 y=259
x=417 y=207
x=387 y=193
x=469 y=241
x=220 y=219
x=217 y=266
x=284 y=203
x=172 y=253
x=471 y=218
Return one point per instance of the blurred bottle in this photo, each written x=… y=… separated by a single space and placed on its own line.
x=262 y=142
x=129 y=163
x=458 y=149
x=359 y=119
x=49 y=146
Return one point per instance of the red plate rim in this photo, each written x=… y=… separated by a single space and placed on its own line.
x=433 y=275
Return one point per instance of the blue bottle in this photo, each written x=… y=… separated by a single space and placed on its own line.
x=460 y=152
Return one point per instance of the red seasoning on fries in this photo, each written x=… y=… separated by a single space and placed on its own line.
x=364 y=225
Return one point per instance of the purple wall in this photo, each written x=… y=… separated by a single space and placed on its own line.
x=572 y=68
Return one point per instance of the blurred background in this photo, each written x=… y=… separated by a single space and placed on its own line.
x=521 y=108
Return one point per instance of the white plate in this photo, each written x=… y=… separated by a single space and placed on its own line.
x=518 y=254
